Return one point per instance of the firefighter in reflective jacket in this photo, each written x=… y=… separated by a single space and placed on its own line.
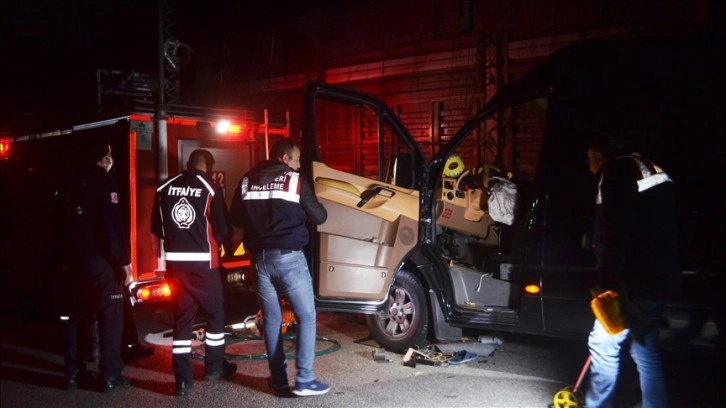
x=190 y=215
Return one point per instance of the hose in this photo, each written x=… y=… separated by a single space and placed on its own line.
x=246 y=335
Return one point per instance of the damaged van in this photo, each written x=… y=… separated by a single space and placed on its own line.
x=428 y=241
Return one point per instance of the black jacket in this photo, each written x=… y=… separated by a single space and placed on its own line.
x=271 y=204
x=100 y=226
x=190 y=215
x=636 y=246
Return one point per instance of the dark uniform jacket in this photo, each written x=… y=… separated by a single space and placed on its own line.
x=100 y=226
x=636 y=246
x=271 y=204
x=190 y=215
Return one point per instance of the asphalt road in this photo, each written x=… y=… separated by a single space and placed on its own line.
x=521 y=372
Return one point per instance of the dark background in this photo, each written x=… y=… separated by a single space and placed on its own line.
x=52 y=49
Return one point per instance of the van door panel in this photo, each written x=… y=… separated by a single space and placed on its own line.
x=361 y=237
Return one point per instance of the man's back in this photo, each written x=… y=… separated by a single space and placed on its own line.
x=269 y=211
x=636 y=227
x=186 y=208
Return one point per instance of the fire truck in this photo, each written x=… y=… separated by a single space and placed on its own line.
x=35 y=165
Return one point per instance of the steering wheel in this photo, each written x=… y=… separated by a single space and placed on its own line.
x=458 y=186
x=484 y=174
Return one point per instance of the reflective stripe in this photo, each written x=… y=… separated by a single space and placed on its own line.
x=214 y=342
x=188 y=256
x=161 y=187
x=652 y=181
x=266 y=195
x=181 y=347
x=214 y=336
x=287 y=191
x=647 y=179
x=214 y=339
x=209 y=188
x=294 y=182
x=244 y=187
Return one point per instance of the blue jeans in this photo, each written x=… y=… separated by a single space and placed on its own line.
x=605 y=367
x=282 y=274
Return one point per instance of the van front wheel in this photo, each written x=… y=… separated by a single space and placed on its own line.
x=403 y=322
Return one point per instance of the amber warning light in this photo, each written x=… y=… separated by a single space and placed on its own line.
x=224 y=126
x=532 y=289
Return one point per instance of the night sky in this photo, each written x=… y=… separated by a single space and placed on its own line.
x=52 y=49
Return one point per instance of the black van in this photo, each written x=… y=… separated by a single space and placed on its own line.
x=427 y=248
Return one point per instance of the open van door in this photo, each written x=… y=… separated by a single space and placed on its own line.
x=372 y=217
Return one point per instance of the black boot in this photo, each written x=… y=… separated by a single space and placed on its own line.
x=135 y=351
x=73 y=379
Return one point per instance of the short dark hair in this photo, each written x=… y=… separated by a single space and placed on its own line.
x=96 y=150
x=282 y=147
x=200 y=156
x=611 y=147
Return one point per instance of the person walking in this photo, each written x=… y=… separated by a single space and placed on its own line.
x=636 y=252
x=272 y=204
x=190 y=216
x=101 y=243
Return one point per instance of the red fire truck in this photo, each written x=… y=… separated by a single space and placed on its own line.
x=146 y=151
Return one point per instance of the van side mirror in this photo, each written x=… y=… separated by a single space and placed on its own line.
x=401 y=171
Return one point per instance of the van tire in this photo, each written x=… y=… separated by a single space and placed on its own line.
x=403 y=322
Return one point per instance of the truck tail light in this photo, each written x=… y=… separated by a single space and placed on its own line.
x=152 y=292
x=4 y=149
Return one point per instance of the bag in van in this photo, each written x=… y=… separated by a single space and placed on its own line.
x=502 y=202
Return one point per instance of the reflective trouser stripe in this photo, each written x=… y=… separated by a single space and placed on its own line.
x=188 y=256
x=181 y=346
x=214 y=339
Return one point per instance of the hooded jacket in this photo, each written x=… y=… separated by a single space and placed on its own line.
x=272 y=203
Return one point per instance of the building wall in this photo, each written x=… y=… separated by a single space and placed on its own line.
x=436 y=63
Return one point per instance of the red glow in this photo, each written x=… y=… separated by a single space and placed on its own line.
x=144 y=294
x=132 y=195
x=236 y=264
x=154 y=292
x=4 y=148
x=142 y=118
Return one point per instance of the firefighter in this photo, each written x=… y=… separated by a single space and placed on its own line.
x=636 y=253
x=272 y=204
x=190 y=215
x=101 y=242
